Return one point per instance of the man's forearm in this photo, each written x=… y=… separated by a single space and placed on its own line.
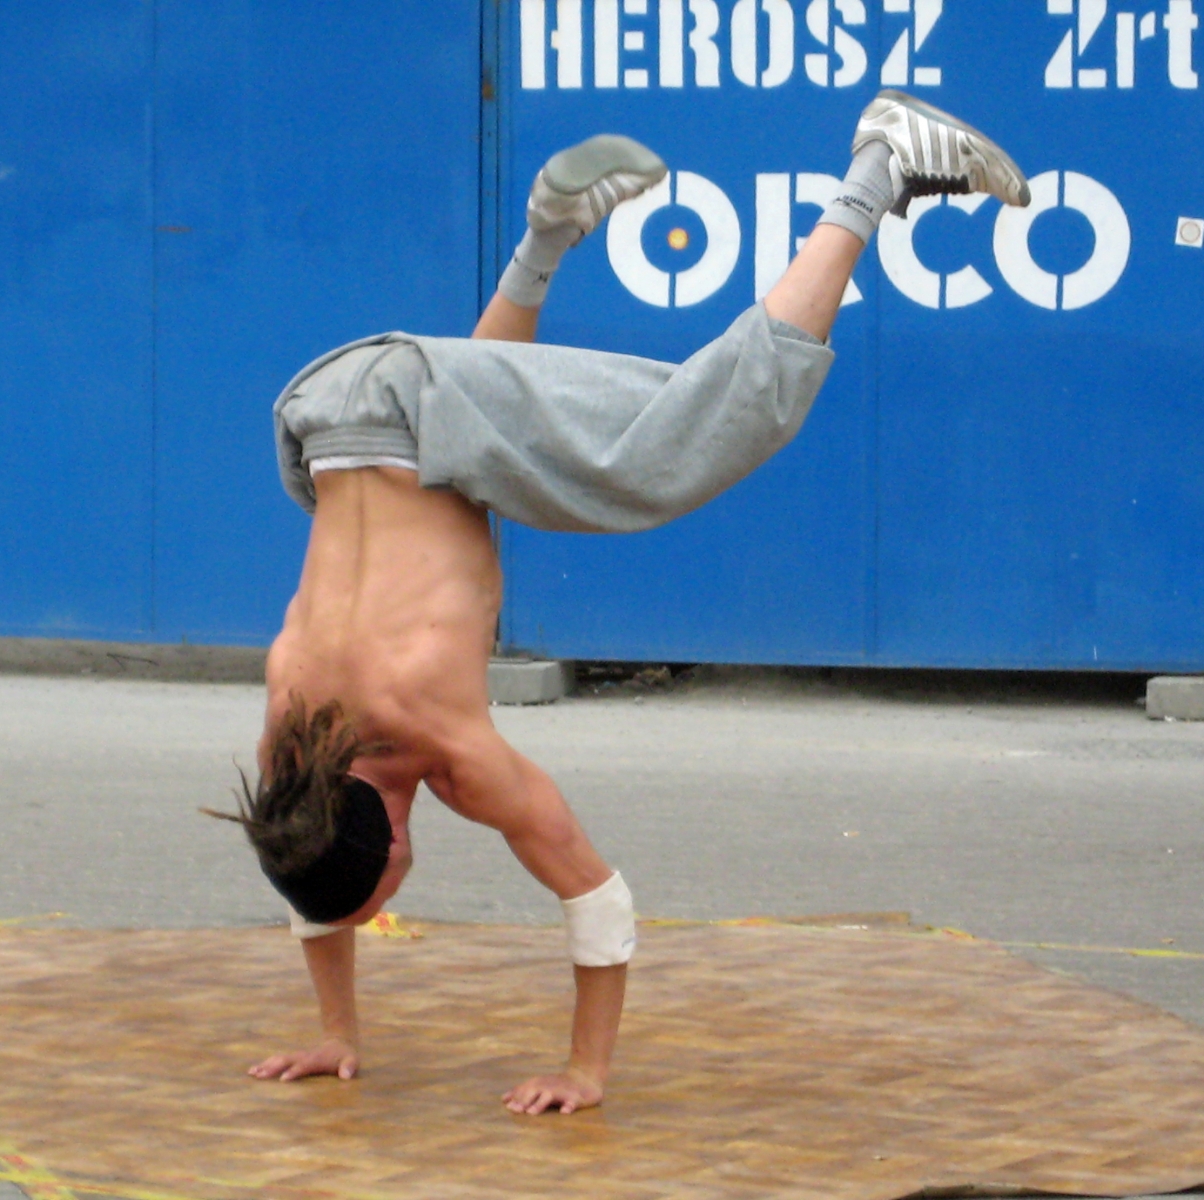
x=331 y=962
x=600 y=992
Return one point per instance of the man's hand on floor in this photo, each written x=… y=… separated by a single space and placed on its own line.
x=568 y=1092
x=333 y=1057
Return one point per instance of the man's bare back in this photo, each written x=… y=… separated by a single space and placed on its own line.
x=395 y=614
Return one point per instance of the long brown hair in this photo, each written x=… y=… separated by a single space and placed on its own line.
x=290 y=817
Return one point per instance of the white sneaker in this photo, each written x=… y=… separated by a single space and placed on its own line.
x=582 y=185
x=935 y=153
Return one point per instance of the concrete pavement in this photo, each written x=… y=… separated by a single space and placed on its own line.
x=1047 y=816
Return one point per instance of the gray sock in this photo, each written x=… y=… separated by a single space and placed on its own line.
x=526 y=278
x=866 y=195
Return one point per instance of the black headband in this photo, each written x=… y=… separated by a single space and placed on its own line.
x=345 y=876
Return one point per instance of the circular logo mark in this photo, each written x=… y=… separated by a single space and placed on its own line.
x=677 y=289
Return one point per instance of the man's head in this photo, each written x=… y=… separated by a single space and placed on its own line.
x=323 y=837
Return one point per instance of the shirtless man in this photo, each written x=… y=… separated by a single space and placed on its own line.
x=399 y=445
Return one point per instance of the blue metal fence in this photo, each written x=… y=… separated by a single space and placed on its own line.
x=196 y=200
x=1003 y=469
x=75 y=318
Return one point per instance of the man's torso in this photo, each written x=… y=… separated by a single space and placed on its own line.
x=395 y=616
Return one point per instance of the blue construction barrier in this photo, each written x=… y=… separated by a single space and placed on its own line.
x=195 y=200
x=1003 y=469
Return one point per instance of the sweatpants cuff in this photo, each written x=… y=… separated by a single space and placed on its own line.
x=784 y=329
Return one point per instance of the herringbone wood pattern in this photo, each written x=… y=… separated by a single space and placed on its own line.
x=754 y=1063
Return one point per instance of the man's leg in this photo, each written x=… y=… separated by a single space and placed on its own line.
x=566 y=439
x=572 y=194
x=505 y=321
x=903 y=148
x=808 y=296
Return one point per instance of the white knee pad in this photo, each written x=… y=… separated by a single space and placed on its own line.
x=601 y=925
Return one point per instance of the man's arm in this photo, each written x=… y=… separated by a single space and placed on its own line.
x=511 y=794
x=331 y=962
x=600 y=993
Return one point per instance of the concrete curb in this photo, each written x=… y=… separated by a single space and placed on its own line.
x=511 y=680
x=529 y=681
x=1175 y=698
x=180 y=663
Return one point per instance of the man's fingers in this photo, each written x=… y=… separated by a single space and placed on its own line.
x=539 y=1095
x=519 y=1099
x=302 y=1065
x=541 y=1102
x=270 y=1067
x=287 y=1067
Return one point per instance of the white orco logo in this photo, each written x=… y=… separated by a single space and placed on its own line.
x=680 y=289
x=777 y=195
x=1097 y=276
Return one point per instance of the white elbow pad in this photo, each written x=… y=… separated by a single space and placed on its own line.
x=601 y=925
x=301 y=928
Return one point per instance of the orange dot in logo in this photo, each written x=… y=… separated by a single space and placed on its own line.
x=679 y=239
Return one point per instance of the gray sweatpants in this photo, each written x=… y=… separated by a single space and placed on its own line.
x=555 y=437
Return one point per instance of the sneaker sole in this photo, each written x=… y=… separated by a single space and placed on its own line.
x=924 y=109
x=578 y=168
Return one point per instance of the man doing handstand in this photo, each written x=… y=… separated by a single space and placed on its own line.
x=400 y=446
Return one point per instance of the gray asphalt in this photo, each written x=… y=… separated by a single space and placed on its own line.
x=1025 y=819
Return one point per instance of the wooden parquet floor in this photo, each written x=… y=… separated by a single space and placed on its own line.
x=754 y=1062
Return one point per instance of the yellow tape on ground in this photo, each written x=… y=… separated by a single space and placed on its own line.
x=39 y=1183
x=387 y=924
x=853 y=920
x=875 y=921
x=54 y=916
x=1134 y=952
x=36 y=1182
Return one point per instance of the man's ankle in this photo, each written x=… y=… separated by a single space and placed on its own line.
x=866 y=193
x=529 y=273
